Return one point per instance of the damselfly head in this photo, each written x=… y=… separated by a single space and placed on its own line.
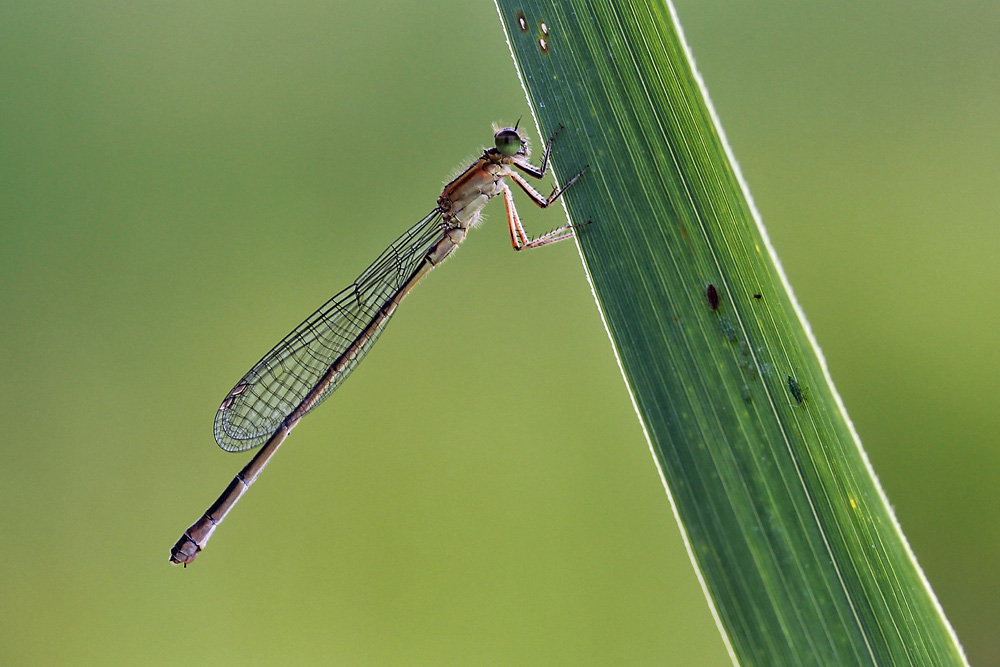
x=510 y=142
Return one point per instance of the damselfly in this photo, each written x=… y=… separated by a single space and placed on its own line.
x=311 y=362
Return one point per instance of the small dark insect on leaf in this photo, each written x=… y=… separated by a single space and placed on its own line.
x=713 y=296
x=793 y=386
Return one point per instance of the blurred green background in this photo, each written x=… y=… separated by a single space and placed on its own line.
x=181 y=183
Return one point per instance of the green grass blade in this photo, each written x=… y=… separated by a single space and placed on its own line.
x=798 y=550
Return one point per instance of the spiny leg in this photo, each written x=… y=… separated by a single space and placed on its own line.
x=517 y=236
x=536 y=196
x=548 y=149
x=519 y=239
x=522 y=163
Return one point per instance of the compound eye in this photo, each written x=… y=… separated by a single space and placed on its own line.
x=508 y=141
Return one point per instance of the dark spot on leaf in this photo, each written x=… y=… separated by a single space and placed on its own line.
x=793 y=386
x=713 y=296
